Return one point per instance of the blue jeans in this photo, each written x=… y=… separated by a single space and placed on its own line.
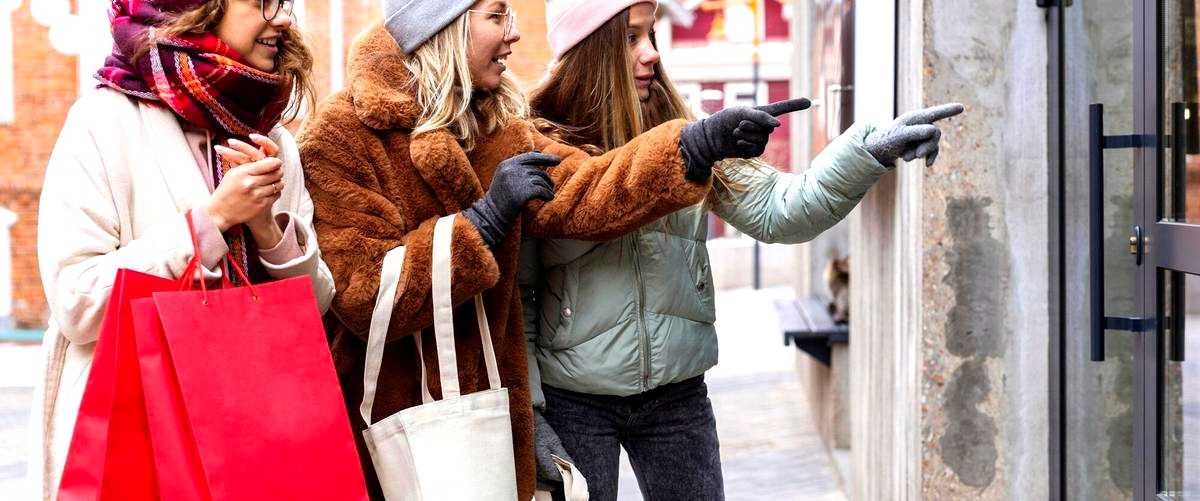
x=669 y=433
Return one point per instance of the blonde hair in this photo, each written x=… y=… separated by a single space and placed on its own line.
x=441 y=76
x=293 y=62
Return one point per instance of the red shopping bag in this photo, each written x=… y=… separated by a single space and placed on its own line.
x=109 y=457
x=177 y=461
x=242 y=396
x=213 y=394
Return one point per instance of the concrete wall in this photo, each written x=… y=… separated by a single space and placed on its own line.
x=949 y=359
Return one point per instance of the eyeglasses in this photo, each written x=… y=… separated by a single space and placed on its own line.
x=272 y=8
x=508 y=17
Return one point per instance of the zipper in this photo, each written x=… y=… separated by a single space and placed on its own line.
x=643 y=337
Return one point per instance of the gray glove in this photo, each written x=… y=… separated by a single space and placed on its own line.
x=731 y=133
x=545 y=443
x=911 y=136
x=517 y=181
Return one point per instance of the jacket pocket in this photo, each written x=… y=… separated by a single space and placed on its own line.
x=703 y=286
x=559 y=303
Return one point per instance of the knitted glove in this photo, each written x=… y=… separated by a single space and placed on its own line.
x=911 y=136
x=731 y=133
x=545 y=443
x=517 y=181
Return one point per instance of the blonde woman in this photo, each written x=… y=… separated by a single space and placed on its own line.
x=191 y=84
x=431 y=125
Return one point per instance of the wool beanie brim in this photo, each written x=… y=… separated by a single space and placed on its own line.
x=568 y=22
x=412 y=22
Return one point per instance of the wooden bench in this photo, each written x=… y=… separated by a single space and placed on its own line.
x=806 y=323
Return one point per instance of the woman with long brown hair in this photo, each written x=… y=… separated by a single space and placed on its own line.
x=621 y=333
x=186 y=119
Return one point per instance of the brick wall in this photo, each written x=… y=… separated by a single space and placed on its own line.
x=46 y=85
x=532 y=54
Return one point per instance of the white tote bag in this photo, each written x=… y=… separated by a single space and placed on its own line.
x=459 y=447
x=574 y=486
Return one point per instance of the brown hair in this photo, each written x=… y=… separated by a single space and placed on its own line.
x=293 y=62
x=589 y=99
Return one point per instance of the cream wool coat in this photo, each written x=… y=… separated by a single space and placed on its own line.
x=117 y=186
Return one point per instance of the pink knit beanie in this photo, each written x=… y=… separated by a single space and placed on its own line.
x=568 y=22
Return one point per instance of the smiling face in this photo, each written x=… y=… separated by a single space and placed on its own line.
x=642 y=55
x=491 y=42
x=244 y=29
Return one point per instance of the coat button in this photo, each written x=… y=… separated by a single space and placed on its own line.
x=700 y=286
x=566 y=313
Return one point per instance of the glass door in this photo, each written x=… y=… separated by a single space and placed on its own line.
x=1175 y=185
x=1129 y=349
x=1100 y=95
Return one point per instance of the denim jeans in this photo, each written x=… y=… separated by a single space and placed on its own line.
x=669 y=433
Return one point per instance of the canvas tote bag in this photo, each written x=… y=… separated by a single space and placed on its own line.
x=574 y=485
x=459 y=447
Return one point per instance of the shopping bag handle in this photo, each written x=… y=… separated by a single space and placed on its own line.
x=443 y=316
x=381 y=316
x=188 y=277
x=385 y=300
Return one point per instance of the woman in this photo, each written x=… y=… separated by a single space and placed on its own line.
x=620 y=333
x=141 y=151
x=431 y=125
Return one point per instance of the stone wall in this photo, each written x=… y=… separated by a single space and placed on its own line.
x=950 y=350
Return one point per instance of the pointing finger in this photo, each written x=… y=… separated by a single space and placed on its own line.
x=933 y=114
x=784 y=107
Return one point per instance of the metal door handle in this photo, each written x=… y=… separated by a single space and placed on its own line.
x=1097 y=143
x=1179 y=144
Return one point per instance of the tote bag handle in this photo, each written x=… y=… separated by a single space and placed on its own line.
x=443 y=320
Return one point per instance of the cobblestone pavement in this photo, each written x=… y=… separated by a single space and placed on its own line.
x=769 y=447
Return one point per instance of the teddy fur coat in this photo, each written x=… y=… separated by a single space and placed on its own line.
x=376 y=186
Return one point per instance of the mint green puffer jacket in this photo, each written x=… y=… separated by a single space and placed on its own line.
x=626 y=316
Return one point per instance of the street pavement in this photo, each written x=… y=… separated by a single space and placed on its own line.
x=770 y=449
x=769 y=445
x=19 y=364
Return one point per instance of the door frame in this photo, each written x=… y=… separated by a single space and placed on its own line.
x=1146 y=111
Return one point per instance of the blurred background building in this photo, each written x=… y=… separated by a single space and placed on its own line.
x=968 y=372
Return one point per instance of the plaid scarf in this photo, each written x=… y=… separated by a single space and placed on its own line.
x=198 y=76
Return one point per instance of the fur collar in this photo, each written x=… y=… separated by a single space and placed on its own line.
x=383 y=99
x=379 y=82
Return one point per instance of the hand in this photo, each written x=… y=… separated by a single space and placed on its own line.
x=545 y=444
x=732 y=133
x=249 y=189
x=517 y=181
x=911 y=136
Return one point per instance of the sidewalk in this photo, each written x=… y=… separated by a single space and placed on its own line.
x=769 y=446
x=18 y=370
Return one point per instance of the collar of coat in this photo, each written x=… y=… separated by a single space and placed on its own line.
x=382 y=97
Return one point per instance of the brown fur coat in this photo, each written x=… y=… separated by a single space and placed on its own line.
x=375 y=186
